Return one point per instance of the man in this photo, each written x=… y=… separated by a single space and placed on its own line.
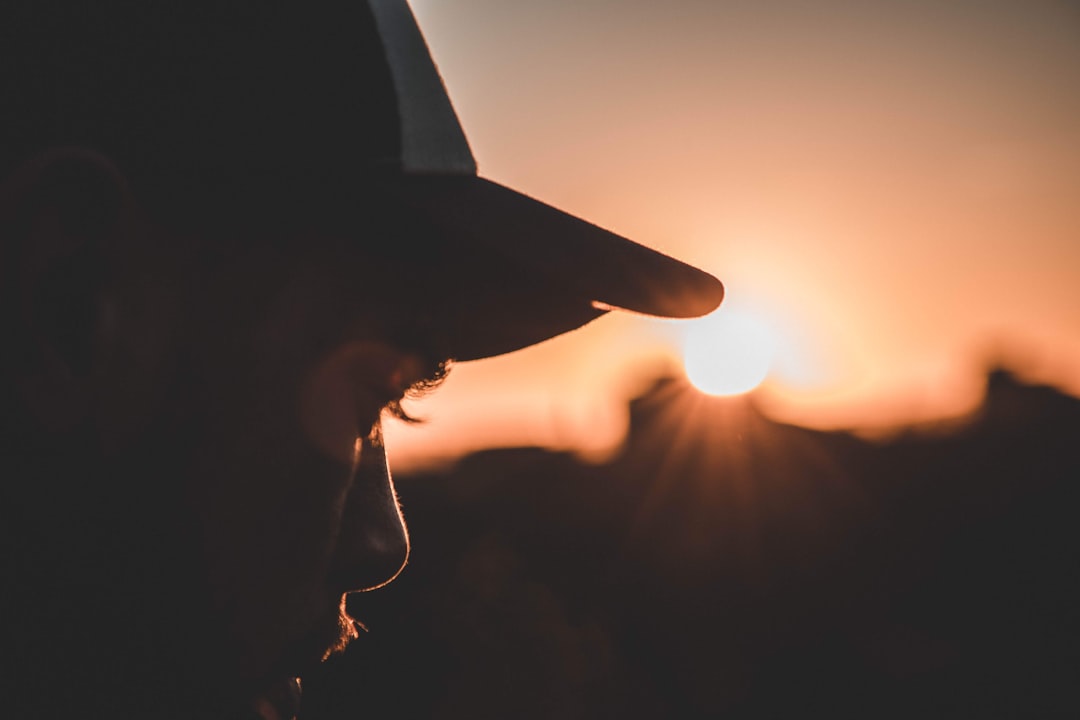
x=233 y=235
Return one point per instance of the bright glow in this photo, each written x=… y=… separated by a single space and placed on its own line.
x=728 y=352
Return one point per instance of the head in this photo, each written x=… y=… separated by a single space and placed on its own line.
x=219 y=271
x=191 y=450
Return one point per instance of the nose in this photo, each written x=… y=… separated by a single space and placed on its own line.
x=373 y=545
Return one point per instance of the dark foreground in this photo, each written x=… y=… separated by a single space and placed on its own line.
x=728 y=566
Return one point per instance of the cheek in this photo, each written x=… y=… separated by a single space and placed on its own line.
x=328 y=412
x=337 y=406
x=272 y=548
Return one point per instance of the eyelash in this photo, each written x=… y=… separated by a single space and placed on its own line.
x=418 y=390
x=395 y=410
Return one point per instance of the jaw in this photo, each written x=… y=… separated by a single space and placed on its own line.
x=280 y=701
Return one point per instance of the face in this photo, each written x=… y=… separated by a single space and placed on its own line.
x=281 y=370
x=204 y=453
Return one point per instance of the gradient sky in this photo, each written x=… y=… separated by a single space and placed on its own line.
x=893 y=186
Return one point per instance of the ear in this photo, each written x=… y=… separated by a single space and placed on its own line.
x=64 y=216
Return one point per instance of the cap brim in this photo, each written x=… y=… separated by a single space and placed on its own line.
x=566 y=271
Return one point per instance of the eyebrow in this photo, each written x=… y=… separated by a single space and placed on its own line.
x=415 y=339
x=435 y=371
x=421 y=336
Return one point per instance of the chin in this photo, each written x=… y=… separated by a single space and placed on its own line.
x=276 y=695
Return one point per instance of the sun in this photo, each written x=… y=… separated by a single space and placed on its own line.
x=728 y=352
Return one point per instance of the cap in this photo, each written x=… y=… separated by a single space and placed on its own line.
x=305 y=96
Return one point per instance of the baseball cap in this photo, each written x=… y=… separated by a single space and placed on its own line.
x=192 y=98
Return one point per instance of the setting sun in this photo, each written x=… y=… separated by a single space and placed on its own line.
x=728 y=352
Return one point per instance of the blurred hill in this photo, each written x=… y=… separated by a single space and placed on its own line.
x=725 y=565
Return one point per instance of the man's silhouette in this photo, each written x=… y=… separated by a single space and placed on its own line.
x=233 y=235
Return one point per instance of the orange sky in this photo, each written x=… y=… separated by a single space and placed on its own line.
x=894 y=186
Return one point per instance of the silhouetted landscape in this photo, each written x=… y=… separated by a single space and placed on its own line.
x=726 y=565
